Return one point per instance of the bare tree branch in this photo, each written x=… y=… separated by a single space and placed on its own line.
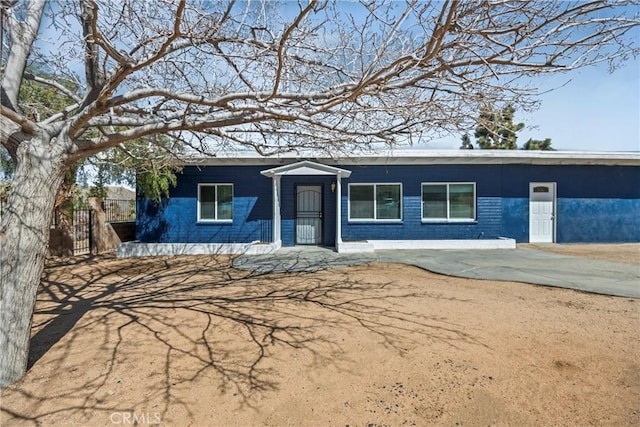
x=53 y=83
x=94 y=77
x=25 y=124
x=22 y=35
x=248 y=75
x=282 y=43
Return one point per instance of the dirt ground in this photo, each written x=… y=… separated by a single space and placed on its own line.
x=189 y=341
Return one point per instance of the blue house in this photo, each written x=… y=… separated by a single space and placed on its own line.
x=398 y=199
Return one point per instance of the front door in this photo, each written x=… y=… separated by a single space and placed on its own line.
x=308 y=214
x=542 y=212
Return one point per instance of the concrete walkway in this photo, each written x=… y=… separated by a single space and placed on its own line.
x=520 y=265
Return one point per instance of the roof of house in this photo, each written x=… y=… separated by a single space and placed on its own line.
x=428 y=157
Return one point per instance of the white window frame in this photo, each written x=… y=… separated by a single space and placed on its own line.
x=375 y=207
x=448 y=219
x=215 y=185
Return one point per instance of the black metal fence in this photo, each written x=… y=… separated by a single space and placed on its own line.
x=82 y=220
x=266 y=231
x=82 y=234
x=119 y=210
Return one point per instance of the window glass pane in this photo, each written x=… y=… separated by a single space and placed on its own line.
x=361 y=201
x=388 y=201
x=461 y=199
x=434 y=201
x=225 y=202
x=207 y=202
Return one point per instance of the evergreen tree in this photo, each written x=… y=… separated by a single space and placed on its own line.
x=536 y=144
x=508 y=129
x=496 y=129
x=466 y=142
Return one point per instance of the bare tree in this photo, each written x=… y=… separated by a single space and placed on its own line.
x=270 y=76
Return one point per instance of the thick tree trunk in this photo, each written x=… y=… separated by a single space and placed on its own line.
x=24 y=238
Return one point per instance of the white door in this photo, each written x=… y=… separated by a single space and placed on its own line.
x=308 y=214
x=542 y=196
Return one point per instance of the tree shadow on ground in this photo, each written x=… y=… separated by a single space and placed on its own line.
x=196 y=318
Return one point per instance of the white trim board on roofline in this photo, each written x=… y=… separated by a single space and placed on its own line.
x=420 y=157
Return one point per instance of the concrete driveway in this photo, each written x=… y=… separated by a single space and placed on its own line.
x=520 y=265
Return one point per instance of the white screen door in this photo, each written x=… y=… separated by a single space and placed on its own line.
x=308 y=214
x=542 y=196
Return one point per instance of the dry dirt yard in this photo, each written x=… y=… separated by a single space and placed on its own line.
x=189 y=341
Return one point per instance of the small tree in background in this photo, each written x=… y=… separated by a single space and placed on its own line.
x=536 y=144
x=496 y=129
x=147 y=163
x=466 y=142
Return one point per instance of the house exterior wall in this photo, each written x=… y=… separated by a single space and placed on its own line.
x=486 y=225
x=594 y=204
x=174 y=220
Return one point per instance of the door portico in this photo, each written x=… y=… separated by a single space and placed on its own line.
x=305 y=169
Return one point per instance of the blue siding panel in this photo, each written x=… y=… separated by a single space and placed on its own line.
x=598 y=220
x=594 y=204
x=175 y=219
x=487 y=224
x=515 y=218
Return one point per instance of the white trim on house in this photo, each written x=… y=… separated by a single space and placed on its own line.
x=499 y=243
x=425 y=157
x=138 y=249
x=306 y=167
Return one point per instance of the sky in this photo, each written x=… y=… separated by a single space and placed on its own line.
x=590 y=110
x=594 y=111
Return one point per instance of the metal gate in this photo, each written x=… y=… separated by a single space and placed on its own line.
x=308 y=215
x=82 y=231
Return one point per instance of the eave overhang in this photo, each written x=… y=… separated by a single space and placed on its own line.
x=426 y=157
